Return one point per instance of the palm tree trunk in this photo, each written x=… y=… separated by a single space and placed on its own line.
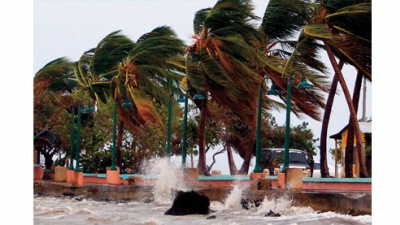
x=250 y=148
x=349 y=157
x=231 y=162
x=353 y=114
x=202 y=166
x=325 y=124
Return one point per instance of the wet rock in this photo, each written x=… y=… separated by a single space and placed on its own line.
x=79 y=199
x=190 y=202
x=247 y=204
x=272 y=214
x=68 y=194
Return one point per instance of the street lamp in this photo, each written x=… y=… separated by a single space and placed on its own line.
x=169 y=126
x=184 y=136
x=125 y=104
x=303 y=84
x=89 y=109
x=71 y=141
x=198 y=95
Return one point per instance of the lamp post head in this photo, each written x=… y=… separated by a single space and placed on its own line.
x=304 y=84
x=273 y=90
x=181 y=98
x=89 y=109
x=199 y=95
x=127 y=103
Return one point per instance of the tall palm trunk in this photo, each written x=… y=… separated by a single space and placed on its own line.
x=232 y=167
x=325 y=123
x=353 y=114
x=349 y=157
x=202 y=166
x=250 y=148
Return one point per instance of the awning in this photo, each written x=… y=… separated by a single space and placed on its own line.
x=365 y=127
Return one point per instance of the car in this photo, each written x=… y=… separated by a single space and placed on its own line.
x=317 y=170
x=272 y=159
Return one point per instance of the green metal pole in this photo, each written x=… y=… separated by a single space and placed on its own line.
x=169 y=126
x=78 y=141
x=114 y=151
x=257 y=168
x=287 y=130
x=71 y=151
x=184 y=131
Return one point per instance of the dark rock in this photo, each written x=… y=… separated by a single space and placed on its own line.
x=190 y=202
x=68 y=194
x=272 y=214
x=212 y=217
x=79 y=199
x=247 y=204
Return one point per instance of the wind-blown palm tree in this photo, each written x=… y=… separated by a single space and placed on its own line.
x=344 y=27
x=135 y=72
x=223 y=64
x=282 y=21
x=230 y=58
x=287 y=57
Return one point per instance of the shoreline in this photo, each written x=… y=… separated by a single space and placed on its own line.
x=350 y=203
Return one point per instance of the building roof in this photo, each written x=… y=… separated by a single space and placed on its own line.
x=365 y=127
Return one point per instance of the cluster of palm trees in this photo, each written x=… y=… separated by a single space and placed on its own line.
x=227 y=63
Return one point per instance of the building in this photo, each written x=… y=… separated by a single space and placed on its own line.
x=365 y=128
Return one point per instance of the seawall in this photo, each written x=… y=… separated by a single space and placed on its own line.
x=352 y=202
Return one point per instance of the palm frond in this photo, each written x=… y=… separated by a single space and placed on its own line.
x=354 y=20
x=283 y=18
x=108 y=53
x=58 y=74
x=82 y=68
x=347 y=47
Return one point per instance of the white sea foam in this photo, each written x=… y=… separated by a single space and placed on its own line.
x=234 y=198
x=168 y=179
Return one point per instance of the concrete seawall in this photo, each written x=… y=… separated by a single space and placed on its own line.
x=355 y=203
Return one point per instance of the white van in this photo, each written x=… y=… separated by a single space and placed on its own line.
x=273 y=159
x=317 y=170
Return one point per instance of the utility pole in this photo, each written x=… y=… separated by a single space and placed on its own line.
x=364 y=101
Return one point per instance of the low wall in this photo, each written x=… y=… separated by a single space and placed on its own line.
x=228 y=181
x=337 y=184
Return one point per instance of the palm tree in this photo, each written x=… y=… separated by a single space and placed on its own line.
x=286 y=57
x=222 y=64
x=344 y=27
x=152 y=69
x=230 y=58
x=136 y=72
x=282 y=21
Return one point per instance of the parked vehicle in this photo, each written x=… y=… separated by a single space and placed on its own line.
x=273 y=159
x=317 y=170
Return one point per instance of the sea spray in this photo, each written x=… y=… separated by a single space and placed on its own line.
x=233 y=200
x=168 y=178
x=276 y=204
x=282 y=205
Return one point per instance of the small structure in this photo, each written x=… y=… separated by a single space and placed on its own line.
x=365 y=128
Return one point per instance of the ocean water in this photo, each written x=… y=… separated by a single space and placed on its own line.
x=50 y=210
